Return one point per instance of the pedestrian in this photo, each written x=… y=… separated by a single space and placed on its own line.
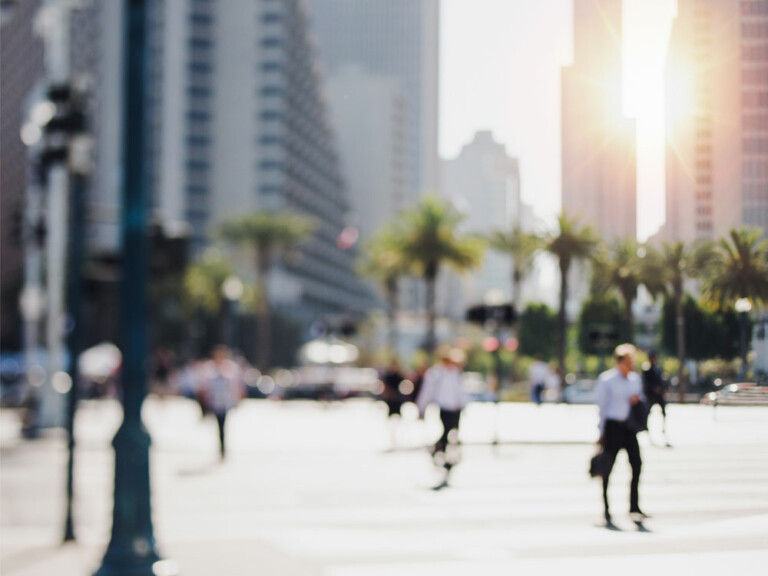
x=616 y=391
x=442 y=386
x=392 y=378
x=223 y=389
x=538 y=374
x=655 y=388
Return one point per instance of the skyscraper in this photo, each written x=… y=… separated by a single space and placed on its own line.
x=598 y=143
x=717 y=119
x=236 y=123
x=396 y=39
x=273 y=149
x=483 y=183
x=373 y=145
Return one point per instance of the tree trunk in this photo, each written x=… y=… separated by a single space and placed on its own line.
x=430 y=277
x=392 y=299
x=562 y=325
x=680 y=337
x=264 y=318
x=629 y=321
x=517 y=302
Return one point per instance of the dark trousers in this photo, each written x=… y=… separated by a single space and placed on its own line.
x=617 y=437
x=660 y=401
x=220 y=420
x=450 y=420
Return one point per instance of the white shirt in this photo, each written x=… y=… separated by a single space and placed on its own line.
x=538 y=373
x=223 y=385
x=442 y=385
x=612 y=395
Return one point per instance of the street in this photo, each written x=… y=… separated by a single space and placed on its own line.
x=318 y=489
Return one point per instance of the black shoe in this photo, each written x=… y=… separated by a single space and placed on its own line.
x=607 y=516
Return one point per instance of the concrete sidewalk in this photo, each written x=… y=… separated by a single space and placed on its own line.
x=318 y=489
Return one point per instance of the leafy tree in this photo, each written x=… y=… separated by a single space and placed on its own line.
x=620 y=266
x=429 y=241
x=666 y=271
x=738 y=269
x=268 y=234
x=522 y=247
x=537 y=324
x=600 y=323
x=570 y=243
x=383 y=259
x=708 y=333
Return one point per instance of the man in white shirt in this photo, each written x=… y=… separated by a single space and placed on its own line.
x=616 y=391
x=442 y=386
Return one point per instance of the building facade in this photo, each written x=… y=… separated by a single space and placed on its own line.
x=483 y=183
x=396 y=39
x=598 y=142
x=717 y=119
x=21 y=52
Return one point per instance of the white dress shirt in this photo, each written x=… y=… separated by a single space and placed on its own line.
x=613 y=393
x=442 y=385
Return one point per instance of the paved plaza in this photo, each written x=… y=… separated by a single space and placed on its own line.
x=319 y=489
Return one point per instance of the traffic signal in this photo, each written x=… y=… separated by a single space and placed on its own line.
x=502 y=314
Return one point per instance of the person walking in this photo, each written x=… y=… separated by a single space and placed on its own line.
x=223 y=389
x=442 y=386
x=538 y=374
x=392 y=378
x=617 y=390
x=655 y=388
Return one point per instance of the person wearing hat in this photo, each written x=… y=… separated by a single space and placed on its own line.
x=442 y=386
x=655 y=387
x=616 y=391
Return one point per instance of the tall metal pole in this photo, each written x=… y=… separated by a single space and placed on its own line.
x=76 y=333
x=131 y=550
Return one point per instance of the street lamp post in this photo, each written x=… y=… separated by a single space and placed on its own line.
x=131 y=550
x=743 y=307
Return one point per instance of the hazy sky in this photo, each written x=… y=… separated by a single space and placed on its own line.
x=500 y=64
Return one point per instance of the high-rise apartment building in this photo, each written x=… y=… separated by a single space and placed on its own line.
x=396 y=39
x=598 y=142
x=273 y=149
x=717 y=119
x=237 y=122
x=372 y=144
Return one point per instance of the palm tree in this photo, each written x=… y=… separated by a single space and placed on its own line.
x=267 y=233
x=569 y=244
x=202 y=284
x=522 y=247
x=429 y=240
x=739 y=269
x=666 y=271
x=383 y=259
x=620 y=266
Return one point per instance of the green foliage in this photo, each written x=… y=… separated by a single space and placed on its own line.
x=600 y=326
x=708 y=334
x=428 y=239
x=268 y=231
x=571 y=242
x=739 y=269
x=203 y=281
x=538 y=326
